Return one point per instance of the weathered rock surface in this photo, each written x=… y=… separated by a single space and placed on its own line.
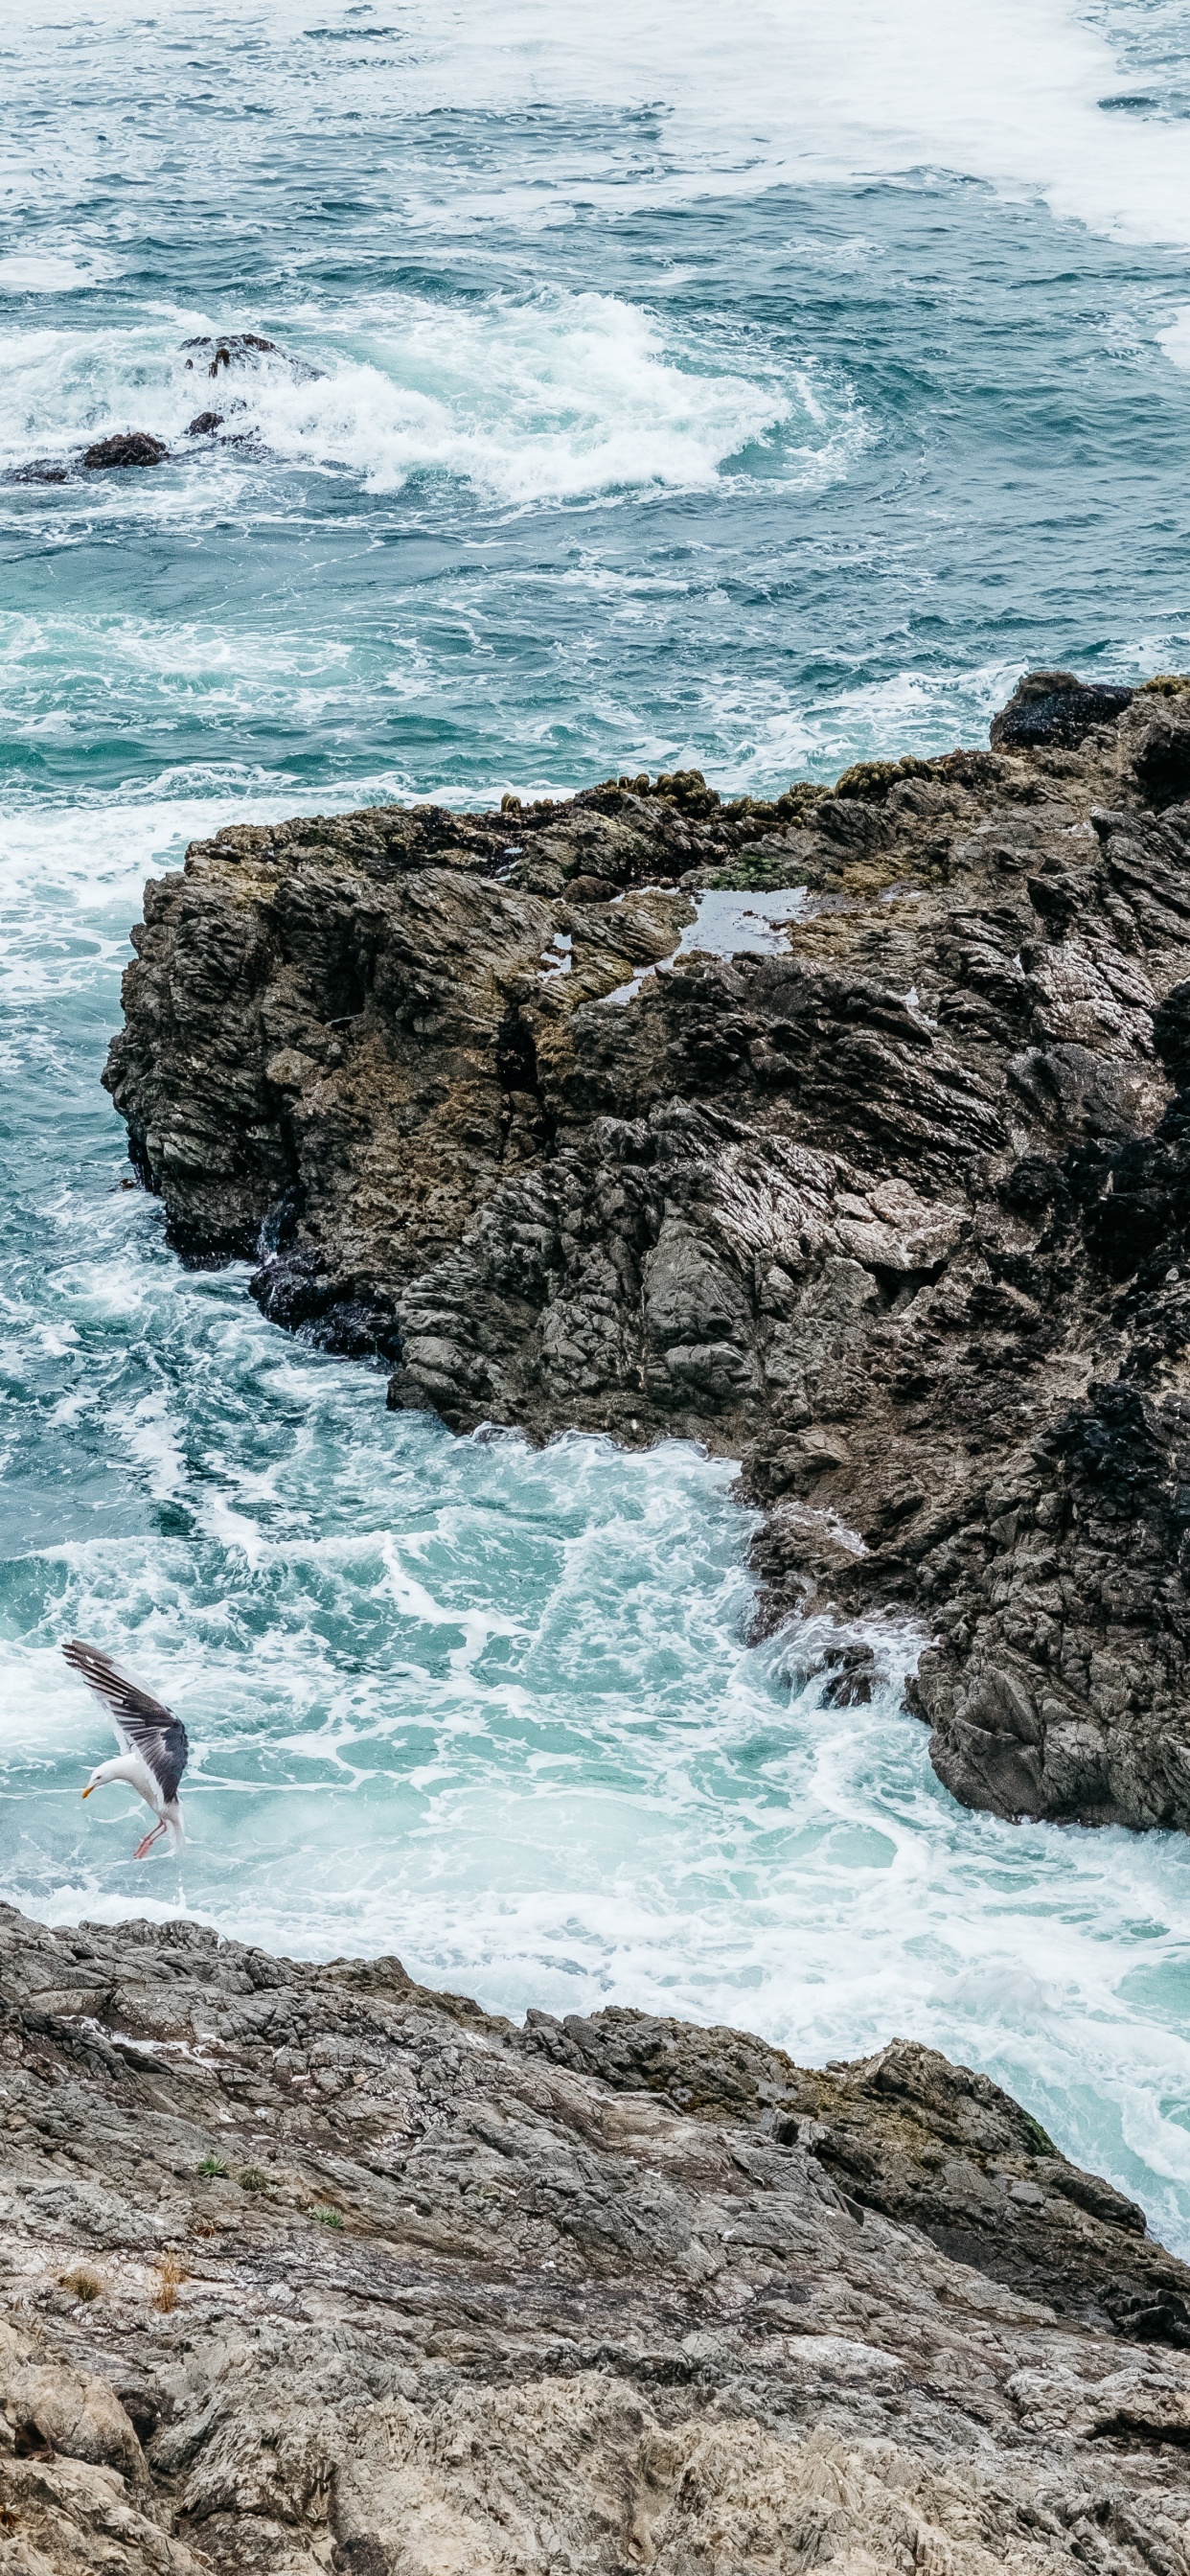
x=129 y=447
x=309 y=2269
x=898 y=1216
x=235 y=351
x=40 y=469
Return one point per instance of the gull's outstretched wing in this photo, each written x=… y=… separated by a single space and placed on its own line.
x=153 y=1730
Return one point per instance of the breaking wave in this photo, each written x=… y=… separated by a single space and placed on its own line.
x=554 y=398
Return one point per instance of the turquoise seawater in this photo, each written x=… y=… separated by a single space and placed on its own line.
x=757 y=389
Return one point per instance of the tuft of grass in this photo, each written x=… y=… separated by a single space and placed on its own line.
x=83 y=2283
x=214 y=2168
x=171 y=2273
x=328 y=2217
x=252 y=2179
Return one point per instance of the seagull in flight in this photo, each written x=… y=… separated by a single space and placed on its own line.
x=154 y=1740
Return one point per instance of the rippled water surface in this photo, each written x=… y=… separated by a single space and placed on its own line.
x=761 y=390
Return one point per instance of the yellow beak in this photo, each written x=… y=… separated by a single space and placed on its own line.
x=87 y=1792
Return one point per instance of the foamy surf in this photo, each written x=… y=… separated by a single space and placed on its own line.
x=550 y=398
x=1024 y=97
x=493 y=1709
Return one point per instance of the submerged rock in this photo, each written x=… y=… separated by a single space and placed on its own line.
x=40 y=469
x=128 y=447
x=204 y=424
x=309 y=2268
x=896 y=1207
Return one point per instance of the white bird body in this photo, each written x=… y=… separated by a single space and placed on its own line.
x=133 y=1768
x=154 y=1743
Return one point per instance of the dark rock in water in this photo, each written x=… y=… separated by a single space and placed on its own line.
x=42 y=469
x=292 y=1290
x=128 y=447
x=1055 y=711
x=900 y=1217
x=218 y=355
x=204 y=424
x=310 y=2268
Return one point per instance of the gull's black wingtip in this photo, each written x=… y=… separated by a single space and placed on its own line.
x=79 y=1654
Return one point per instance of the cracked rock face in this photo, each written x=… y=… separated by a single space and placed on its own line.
x=897 y=1214
x=309 y=2269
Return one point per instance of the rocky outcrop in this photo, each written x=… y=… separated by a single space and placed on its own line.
x=128 y=447
x=233 y=353
x=309 y=2269
x=891 y=1202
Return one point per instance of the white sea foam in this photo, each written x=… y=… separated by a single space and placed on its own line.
x=45 y=271
x=913 y=709
x=571 y=395
x=1175 y=339
x=504 y=1722
x=530 y=399
x=1007 y=92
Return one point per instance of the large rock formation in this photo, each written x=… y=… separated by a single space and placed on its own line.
x=308 y=2269
x=897 y=1215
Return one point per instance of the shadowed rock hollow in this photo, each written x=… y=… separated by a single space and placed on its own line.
x=896 y=1214
x=308 y=2269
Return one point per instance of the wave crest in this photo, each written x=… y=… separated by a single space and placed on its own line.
x=561 y=397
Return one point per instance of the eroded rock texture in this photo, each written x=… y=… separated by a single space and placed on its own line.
x=309 y=2269
x=898 y=1216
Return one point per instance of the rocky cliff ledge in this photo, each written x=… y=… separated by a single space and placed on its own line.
x=897 y=1214
x=308 y=2270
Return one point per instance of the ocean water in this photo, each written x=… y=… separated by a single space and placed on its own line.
x=758 y=389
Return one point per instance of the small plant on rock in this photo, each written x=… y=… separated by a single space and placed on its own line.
x=214 y=2169
x=252 y=2179
x=328 y=2217
x=82 y=2283
x=171 y=2273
